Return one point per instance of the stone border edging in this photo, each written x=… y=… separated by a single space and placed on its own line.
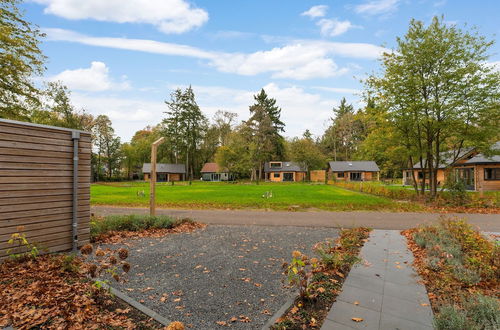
x=280 y=312
x=137 y=305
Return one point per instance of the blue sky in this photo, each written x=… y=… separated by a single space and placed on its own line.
x=124 y=58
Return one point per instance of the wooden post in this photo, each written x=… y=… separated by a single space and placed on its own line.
x=152 y=179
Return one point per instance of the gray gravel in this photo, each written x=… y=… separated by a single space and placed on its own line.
x=217 y=273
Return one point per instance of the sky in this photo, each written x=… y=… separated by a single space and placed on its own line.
x=124 y=58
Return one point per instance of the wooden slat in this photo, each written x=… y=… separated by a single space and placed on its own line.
x=4 y=165
x=41 y=131
x=40 y=186
x=83 y=198
x=45 y=218
x=36 y=160
x=47 y=240
x=34 y=213
x=40 y=230
x=43 y=153
x=44 y=192
x=34 y=179
x=42 y=147
x=49 y=173
x=39 y=206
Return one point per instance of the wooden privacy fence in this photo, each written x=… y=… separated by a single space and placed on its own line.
x=37 y=172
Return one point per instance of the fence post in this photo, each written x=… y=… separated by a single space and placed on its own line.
x=152 y=180
x=75 y=136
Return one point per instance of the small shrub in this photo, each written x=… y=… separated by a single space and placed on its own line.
x=466 y=276
x=434 y=263
x=299 y=271
x=456 y=192
x=451 y=318
x=484 y=311
x=99 y=226
x=69 y=264
x=20 y=241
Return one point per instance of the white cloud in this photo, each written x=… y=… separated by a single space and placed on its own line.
x=333 y=27
x=169 y=16
x=95 y=78
x=495 y=65
x=339 y=90
x=316 y=11
x=375 y=7
x=300 y=59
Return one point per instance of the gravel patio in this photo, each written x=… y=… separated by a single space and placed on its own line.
x=226 y=274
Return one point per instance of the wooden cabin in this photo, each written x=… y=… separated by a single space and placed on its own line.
x=479 y=172
x=353 y=170
x=278 y=171
x=212 y=172
x=165 y=172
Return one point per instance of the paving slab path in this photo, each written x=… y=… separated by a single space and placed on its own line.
x=384 y=290
x=377 y=220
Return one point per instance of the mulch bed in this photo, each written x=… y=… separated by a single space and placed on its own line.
x=324 y=282
x=39 y=293
x=114 y=237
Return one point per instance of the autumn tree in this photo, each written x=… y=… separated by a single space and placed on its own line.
x=440 y=93
x=306 y=152
x=20 y=60
x=107 y=149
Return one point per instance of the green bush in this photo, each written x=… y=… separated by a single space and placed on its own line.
x=99 y=226
x=466 y=276
x=452 y=318
x=484 y=311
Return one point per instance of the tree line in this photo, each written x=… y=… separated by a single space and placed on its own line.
x=435 y=92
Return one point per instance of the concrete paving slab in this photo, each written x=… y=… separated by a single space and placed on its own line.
x=391 y=322
x=344 y=313
x=385 y=287
x=331 y=325
x=363 y=298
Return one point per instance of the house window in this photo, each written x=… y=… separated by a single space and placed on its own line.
x=420 y=174
x=492 y=173
x=276 y=175
x=275 y=164
x=340 y=174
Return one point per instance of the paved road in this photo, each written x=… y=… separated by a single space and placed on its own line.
x=376 y=220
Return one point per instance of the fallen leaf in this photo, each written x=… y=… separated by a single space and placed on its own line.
x=356 y=302
x=266 y=312
x=233 y=319
x=294 y=310
x=321 y=290
x=257 y=285
x=357 y=319
x=222 y=323
x=424 y=304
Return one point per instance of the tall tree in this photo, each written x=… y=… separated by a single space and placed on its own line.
x=273 y=112
x=440 y=92
x=223 y=124
x=107 y=155
x=185 y=125
x=306 y=152
x=20 y=60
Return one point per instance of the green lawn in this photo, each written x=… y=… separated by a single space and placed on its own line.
x=243 y=195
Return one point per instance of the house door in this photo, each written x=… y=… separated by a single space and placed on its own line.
x=216 y=177
x=355 y=176
x=467 y=176
x=287 y=176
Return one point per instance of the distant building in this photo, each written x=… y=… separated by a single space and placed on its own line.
x=353 y=170
x=165 y=172
x=477 y=171
x=212 y=172
x=277 y=171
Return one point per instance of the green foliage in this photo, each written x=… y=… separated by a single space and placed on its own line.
x=99 y=226
x=484 y=311
x=107 y=157
x=479 y=313
x=306 y=152
x=184 y=127
x=299 y=271
x=451 y=318
x=439 y=91
x=20 y=242
x=456 y=190
x=69 y=264
x=20 y=60
x=467 y=276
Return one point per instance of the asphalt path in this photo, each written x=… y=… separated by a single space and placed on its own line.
x=372 y=219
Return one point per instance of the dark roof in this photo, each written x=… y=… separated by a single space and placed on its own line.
x=480 y=158
x=165 y=168
x=212 y=168
x=446 y=158
x=285 y=167
x=358 y=166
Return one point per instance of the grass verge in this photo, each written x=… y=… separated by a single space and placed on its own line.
x=461 y=271
x=113 y=228
x=219 y=195
x=489 y=202
x=319 y=280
